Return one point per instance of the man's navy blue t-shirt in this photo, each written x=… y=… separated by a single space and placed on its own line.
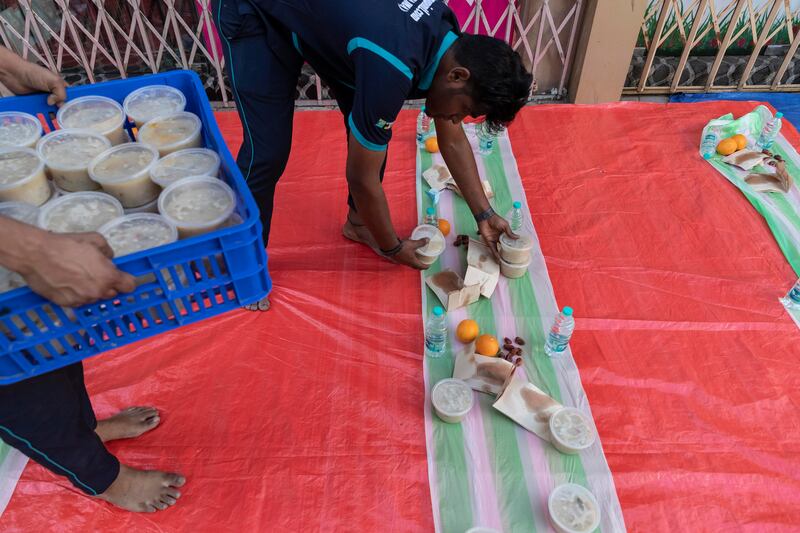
x=386 y=51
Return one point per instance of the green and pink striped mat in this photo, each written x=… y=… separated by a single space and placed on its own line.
x=781 y=211
x=488 y=471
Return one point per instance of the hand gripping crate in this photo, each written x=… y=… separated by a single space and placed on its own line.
x=178 y=284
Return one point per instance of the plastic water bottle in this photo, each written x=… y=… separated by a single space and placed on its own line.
x=770 y=132
x=792 y=300
x=430 y=217
x=710 y=142
x=423 y=127
x=560 y=333
x=485 y=139
x=434 y=196
x=515 y=217
x=436 y=333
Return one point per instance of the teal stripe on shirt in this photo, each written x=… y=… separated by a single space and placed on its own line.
x=366 y=44
x=296 y=43
x=430 y=70
x=361 y=139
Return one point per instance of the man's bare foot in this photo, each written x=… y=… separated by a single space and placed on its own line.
x=360 y=234
x=261 y=305
x=128 y=423
x=143 y=491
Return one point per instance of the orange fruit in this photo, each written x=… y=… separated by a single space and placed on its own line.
x=467 y=331
x=432 y=144
x=444 y=227
x=727 y=146
x=741 y=141
x=487 y=345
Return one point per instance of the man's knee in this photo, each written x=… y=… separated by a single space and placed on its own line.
x=263 y=163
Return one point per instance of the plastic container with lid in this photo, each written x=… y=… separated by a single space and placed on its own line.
x=516 y=251
x=150 y=207
x=22 y=177
x=153 y=101
x=514 y=270
x=96 y=113
x=573 y=509
x=431 y=251
x=171 y=133
x=19 y=129
x=79 y=212
x=67 y=154
x=185 y=163
x=124 y=172
x=571 y=431
x=452 y=399
x=20 y=211
x=141 y=231
x=197 y=204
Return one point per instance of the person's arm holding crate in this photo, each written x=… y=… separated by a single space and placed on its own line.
x=24 y=77
x=69 y=269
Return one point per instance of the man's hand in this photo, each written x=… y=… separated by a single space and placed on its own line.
x=408 y=256
x=23 y=77
x=492 y=229
x=73 y=270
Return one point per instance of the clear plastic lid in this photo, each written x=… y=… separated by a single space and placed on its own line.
x=185 y=163
x=18 y=165
x=20 y=211
x=19 y=129
x=452 y=397
x=166 y=132
x=525 y=265
x=153 y=101
x=96 y=113
x=574 y=509
x=141 y=231
x=524 y=242
x=79 y=212
x=572 y=428
x=436 y=244
x=71 y=148
x=123 y=163
x=198 y=201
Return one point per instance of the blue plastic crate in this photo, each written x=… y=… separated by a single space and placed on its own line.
x=178 y=284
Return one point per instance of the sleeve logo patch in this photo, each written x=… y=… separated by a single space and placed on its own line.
x=384 y=124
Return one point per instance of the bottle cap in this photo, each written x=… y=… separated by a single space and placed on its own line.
x=778 y=114
x=422 y=109
x=430 y=211
x=438 y=311
x=706 y=156
x=517 y=205
x=567 y=311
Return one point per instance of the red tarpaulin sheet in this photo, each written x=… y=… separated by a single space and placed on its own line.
x=309 y=417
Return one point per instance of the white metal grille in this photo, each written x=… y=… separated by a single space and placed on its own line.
x=533 y=28
x=95 y=40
